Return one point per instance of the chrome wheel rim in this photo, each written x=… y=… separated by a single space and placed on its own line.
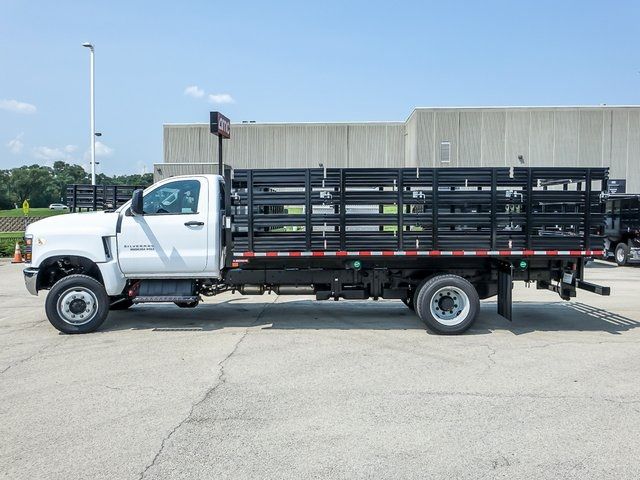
x=77 y=306
x=449 y=306
x=619 y=255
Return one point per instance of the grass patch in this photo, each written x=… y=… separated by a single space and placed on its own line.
x=11 y=235
x=33 y=212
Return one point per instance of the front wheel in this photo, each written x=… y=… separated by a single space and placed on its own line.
x=622 y=254
x=447 y=304
x=77 y=304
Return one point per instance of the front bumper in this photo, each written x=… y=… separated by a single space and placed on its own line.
x=30 y=280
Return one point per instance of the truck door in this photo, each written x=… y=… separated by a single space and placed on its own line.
x=171 y=236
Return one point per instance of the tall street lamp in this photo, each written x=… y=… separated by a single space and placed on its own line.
x=93 y=113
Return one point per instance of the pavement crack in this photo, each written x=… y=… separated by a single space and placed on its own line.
x=492 y=352
x=111 y=388
x=220 y=380
x=26 y=359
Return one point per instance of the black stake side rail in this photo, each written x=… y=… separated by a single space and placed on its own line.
x=277 y=211
x=98 y=197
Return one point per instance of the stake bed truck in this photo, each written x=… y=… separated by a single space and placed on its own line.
x=622 y=228
x=438 y=239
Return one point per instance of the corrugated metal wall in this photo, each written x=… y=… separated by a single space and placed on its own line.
x=586 y=136
x=555 y=136
x=290 y=145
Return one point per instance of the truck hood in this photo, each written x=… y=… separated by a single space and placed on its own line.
x=102 y=224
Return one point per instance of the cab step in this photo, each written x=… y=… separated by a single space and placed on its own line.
x=166 y=298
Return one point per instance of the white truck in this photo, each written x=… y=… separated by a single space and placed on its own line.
x=437 y=239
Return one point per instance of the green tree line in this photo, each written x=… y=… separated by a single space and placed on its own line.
x=44 y=185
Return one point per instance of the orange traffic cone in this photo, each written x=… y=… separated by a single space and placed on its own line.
x=17 y=254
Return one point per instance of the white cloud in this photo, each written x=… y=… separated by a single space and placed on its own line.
x=220 y=98
x=194 y=91
x=16 y=145
x=16 y=106
x=103 y=150
x=51 y=154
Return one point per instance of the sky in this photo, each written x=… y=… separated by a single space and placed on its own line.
x=174 y=61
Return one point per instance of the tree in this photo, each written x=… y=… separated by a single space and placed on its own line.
x=135 y=179
x=44 y=185
x=5 y=198
x=66 y=174
x=35 y=183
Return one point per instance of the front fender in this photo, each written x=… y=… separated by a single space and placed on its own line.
x=88 y=247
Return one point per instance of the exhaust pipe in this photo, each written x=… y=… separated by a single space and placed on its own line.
x=279 y=289
x=294 y=290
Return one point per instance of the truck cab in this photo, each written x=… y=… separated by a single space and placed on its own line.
x=174 y=231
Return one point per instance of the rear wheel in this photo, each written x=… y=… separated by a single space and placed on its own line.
x=622 y=254
x=77 y=304
x=447 y=304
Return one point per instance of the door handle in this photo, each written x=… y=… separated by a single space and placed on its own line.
x=193 y=223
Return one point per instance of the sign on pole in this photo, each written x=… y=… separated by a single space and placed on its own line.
x=220 y=126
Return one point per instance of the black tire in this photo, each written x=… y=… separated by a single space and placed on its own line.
x=120 y=303
x=621 y=254
x=455 y=302
x=187 y=304
x=409 y=303
x=92 y=295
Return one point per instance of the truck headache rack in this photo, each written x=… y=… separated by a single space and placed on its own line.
x=418 y=211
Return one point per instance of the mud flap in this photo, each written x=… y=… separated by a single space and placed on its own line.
x=505 y=288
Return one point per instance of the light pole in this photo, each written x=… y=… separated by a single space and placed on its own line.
x=93 y=113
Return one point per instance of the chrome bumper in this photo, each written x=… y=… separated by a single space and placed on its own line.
x=30 y=279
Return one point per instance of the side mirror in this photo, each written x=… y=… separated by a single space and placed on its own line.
x=136 y=203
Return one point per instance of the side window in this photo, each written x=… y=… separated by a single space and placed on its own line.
x=176 y=197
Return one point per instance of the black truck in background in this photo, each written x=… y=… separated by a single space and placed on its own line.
x=622 y=228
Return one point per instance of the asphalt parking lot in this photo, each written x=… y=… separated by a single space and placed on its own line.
x=284 y=387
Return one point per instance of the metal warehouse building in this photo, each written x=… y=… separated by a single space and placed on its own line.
x=430 y=137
